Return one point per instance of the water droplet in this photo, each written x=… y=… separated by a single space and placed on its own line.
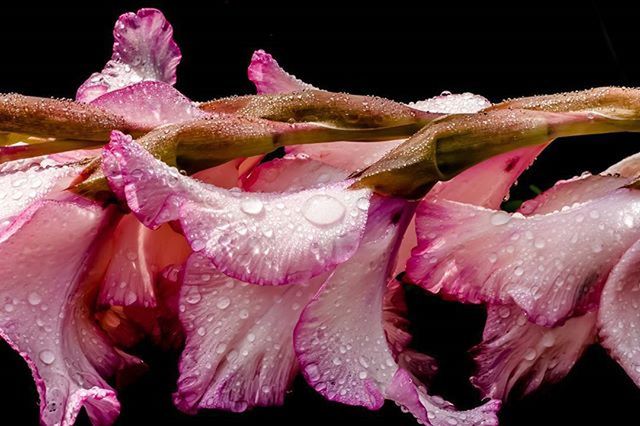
x=337 y=361
x=197 y=245
x=504 y=312
x=221 y=348
x=193 y=296
x=362 y=375
x=518 y=271
x=500 y=218
x=594 y=214
x=452 y=421
x=223 y=302
x=539 y=244
x=251 y=206
x=244 y=314
x=251 y=337
x=493 y=257
x=363 y=204
x=201 y=331
x=628 y=220
x=34 y=299
x=9 y=307
x=363 y=362
x=313 y=372
x=130 y=298
x=530 y=354
x=323 y=210
x=47 y=357
x=548 y=340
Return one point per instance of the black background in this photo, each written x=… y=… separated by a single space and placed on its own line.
x=397 y=50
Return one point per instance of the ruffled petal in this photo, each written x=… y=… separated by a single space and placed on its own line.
x=343 y=357
x=350 y=156
x=150 y=104
x=552 y=265
x=261 y=238
x=270 y=78
x=139 y=255
x=350 y=360
x=143 y=49
x=238 y=352
x=619 y=313
x=435 y=411
x=45 y=290
x=518 y=353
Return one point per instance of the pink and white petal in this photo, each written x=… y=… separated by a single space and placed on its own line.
x=150 y=104
x=567 y=193
x=24 y=183
x=394 y=318
x=292 y=173
x=343 y=357
x=349 y=156
x=453 y=103
x=488 y=183
x=262 y=238
x=349 y=360
x=551 y=265
x=516 y=353
x=143 y=49
x=270 y=78
x=238 y=352
x=619 y=313
x=45 y=289
x=627 y=167
x=139 y=255
x=431 y=410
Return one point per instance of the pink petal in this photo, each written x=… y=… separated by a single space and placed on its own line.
x=23 y=182
x=350 y=156
x=552 y=265
x=488 y=183
x=143 y=49
x=516 y=352
x=44 y=254
x=150 y=104
x=270 y=78
x=239 y=352
x=433 y=410
x=341 y=339
x=293 y=173
x=628 y=167
x=139 y=255
x=619 y=316
x=345 y=358
x=261 y=238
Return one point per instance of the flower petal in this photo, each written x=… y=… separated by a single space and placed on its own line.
x=239 y=352
x=517 y=353
x=343 y=357
x=270 y=78
x=349 y=360
x=552 y=265
x=261 y=238
x=618 y=316
x=150 y=104
x=143 y=49
x=433 y=410
x=139 y=255
x=45 y=288
x=23 y=182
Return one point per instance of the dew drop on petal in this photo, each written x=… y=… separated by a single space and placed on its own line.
x=47 y=357
x=518 y=271
x=530 y=354
x=500 y=218
x=251 y=206
x=312 y=372
x=362 y=204
x=34 y=299
x=323 y=210
x=223 y=302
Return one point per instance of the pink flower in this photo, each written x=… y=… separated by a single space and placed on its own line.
x=558 y=276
